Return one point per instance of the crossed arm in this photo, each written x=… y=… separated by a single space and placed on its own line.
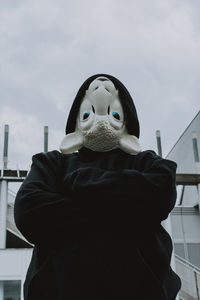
x=43 y=210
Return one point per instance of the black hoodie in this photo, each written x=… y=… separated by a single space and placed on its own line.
x=95 y=220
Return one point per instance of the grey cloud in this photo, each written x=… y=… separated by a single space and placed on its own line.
x=49 y=48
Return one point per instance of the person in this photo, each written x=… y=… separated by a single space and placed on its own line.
x=93 y=210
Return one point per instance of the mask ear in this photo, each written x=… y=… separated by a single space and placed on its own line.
x=130 y=144
x=71 y=142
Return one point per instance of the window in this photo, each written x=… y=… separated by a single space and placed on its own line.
x=10 y=290
x=193 y=252
x=179 y=249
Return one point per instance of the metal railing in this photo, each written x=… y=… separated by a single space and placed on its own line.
x=190 y=279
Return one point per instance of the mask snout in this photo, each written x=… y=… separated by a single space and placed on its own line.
x=100 y=99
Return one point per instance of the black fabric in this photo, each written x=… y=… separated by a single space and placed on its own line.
x=95 y=221
x=131 y=118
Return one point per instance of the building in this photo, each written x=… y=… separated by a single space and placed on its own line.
x=15 y=252
x=185 y=217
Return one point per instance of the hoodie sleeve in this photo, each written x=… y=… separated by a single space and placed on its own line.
x=42 y=213
x=148 y=190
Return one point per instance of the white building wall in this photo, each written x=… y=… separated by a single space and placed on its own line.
x=13 y=266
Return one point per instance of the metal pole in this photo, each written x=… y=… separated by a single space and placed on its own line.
x=5 y=149
x=166 y=223
x=184 y=239
x=196 y=284
x=46 y=132
x=159 y=146
x=1 y=290
x=22 y=289
x=196 y=159
x=3 y=212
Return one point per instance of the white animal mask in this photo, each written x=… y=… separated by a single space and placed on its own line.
x=100 y=124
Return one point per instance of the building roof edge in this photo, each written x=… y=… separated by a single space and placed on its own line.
x=183 y=133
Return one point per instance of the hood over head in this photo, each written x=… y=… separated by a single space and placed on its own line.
x=103 y=117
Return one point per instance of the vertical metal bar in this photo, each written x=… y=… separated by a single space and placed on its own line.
x=1 y=290
x=22 y=290
x=159 y=146
x=166 y=223
x=46 y=132
x=184 y=239
x=182 y=195
x=196 y=285
x=5 y=149
x=196 y=160
x=3 y=212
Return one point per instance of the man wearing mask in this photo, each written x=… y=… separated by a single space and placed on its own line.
x=94 y=210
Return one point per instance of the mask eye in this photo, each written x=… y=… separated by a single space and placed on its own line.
x=116 y=115
x=86 y=115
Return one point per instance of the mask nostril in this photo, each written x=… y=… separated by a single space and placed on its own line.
x=93 y=109
x=108 y=109
x=103 y=79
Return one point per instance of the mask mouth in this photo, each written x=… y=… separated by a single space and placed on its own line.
x=102 y=137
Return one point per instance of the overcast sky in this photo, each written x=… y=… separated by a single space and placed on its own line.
x=48 y=48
